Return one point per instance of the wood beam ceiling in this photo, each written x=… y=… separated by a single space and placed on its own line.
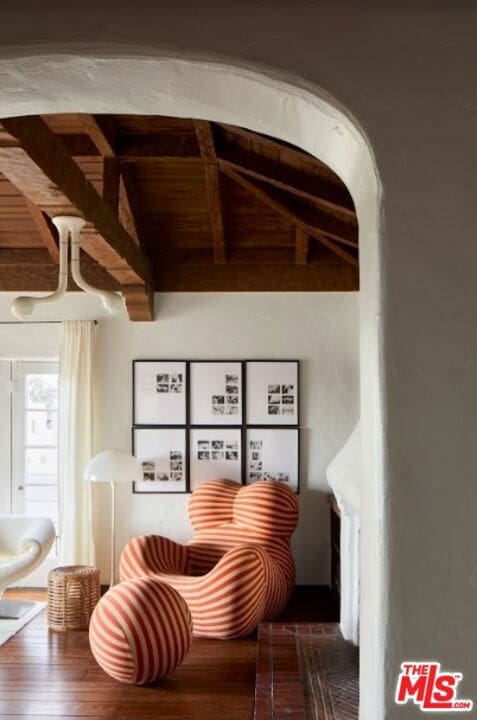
x=117 y=194
x=33 y=271
x=291 y=158
x=322 y=222
x=305 y=185
x=205 y=139
x=302 y=241
x=265 y=197
x=256 y=278
x=150 y=175
x=46 y=231
x=41 y=168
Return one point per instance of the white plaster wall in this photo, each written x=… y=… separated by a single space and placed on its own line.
x=405 y=71
x=319 y=329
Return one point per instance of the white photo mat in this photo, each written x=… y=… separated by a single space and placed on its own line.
x=272 y=392
x=273 y=454
x=216 y=393
x=162 y=453
x=160 y=392
x=215 y=453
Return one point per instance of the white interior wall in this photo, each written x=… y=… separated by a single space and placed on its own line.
x=401 y=69
x=319 y=329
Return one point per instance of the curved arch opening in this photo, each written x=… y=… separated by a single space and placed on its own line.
x=130 y=81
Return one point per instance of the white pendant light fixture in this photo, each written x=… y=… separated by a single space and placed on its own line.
x=68 y=226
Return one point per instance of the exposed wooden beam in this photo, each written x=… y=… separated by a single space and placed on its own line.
x=99 y=129
x=139 y=301
x=43 y=277
x=205 y=139
x=267 y=278
x=274 y=149
x=131 y=148
x=266 y=198
x=46 y=231
x=301 y=246
x=318 y=217
x=111 y=184
x=116 y=182
x=308 y=186
x=285 y=255
x=20 y=257
x=127 y=208
x=44 y=172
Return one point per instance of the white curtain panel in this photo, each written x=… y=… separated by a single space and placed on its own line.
x=76 y=441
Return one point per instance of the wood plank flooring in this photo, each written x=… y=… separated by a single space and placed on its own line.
x=52 y=675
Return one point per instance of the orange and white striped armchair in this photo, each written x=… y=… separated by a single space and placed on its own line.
x=238 y=569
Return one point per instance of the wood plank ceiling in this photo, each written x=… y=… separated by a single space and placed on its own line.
x=171 y=205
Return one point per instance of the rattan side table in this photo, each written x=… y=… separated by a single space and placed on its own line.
x=73 y=592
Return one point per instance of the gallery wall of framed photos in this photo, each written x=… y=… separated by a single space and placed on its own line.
x=196 y=420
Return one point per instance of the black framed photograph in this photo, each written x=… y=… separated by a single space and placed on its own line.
x=273 y=454
x=215 y=452
x=159 y=392
x=272 y=392
x=216 y=393
x=162 y=453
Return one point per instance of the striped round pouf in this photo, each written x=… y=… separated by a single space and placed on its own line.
x=140 y=631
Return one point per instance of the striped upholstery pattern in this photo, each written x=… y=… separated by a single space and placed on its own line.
x=140 y=631
x=238 y=569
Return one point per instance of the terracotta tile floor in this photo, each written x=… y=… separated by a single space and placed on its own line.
x=305 y=672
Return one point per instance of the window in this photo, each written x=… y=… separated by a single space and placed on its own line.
x=35 y=489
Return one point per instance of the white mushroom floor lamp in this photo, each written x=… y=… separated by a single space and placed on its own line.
x=112 y=467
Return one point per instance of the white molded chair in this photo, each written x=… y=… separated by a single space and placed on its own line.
x=24 y=544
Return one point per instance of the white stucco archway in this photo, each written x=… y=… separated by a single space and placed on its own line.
x=110 y=80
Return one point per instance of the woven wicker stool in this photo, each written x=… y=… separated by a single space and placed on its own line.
x=73 y=592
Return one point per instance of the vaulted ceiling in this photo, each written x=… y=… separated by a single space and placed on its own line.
x=171 y=205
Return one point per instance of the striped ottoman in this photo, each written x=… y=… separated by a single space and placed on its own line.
x=140 y=631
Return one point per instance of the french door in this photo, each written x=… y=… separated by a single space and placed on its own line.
x=33 y=451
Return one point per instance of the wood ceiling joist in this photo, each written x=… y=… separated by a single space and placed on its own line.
x=20 y=257
x=302 y=241
x=305 y=185
x=257 y=278
x=35 y=272
x=319 y=218
x=117 y=191
x=167 y=184
x=111 y=184
x=205 y=139
x=47 y=176
x=44 y=172
x=45 y=230
x=139 y=299
x=290 y=157
x=127 y=206
x=293 y=218
x=100 y=131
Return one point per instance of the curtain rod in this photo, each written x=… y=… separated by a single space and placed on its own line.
x=36 y=322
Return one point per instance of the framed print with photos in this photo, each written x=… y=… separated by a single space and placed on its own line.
x=163 y=456
x=159 y=392
x=215 y=453
x=272 y=392
x=216 y=390
x=273 y=454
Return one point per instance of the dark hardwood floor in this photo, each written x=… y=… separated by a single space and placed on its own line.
x=51 y=675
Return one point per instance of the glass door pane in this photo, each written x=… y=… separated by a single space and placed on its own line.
x=35 y=489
